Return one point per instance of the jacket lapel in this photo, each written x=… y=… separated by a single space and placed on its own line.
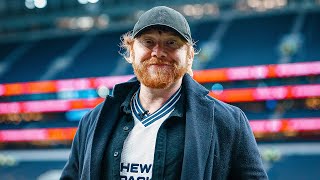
x=106 y=122
x=102 y=134
x=199 y=130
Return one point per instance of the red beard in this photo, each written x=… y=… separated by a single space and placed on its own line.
x=162 y=76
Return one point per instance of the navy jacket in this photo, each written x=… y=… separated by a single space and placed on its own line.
x=219 y=143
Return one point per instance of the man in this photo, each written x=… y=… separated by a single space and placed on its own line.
x=163 y=124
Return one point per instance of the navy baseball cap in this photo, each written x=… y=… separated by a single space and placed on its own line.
x=163 y=16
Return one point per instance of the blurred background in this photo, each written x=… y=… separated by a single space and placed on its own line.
x=60 y=58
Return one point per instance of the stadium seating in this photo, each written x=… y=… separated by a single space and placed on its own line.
x=311 y=50
x=262 y=33
x=31 y=170
x=295 y=167
x=100 y=57
x=37 y=60
x=247 y=41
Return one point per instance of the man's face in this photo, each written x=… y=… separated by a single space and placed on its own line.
x=160 y=58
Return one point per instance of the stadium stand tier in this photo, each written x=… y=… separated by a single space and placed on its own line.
x=226 y=42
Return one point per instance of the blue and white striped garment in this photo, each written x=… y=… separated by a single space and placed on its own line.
x=147 y=119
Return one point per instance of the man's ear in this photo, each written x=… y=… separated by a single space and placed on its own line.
x=129 y=59
x=190 y=55
x=130 y=54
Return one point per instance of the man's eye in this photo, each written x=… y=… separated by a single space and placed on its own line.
x=172 y=42
x=147 y=42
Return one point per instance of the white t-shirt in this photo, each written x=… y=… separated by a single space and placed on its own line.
x=139 y=147
x=138 y=150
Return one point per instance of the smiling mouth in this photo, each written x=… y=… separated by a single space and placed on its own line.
x=166 y=66
x=160 y=64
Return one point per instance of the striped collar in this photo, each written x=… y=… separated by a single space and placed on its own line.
x=142 y=114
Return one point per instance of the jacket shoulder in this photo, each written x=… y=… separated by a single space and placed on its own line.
x=90 y=117
x=227 y=116
x=224 y=110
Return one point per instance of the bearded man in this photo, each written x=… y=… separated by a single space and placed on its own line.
x=162 y=124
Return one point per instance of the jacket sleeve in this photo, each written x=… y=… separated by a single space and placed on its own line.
x=246 y=162
x=71 y=169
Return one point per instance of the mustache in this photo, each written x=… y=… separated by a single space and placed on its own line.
x=158 y=61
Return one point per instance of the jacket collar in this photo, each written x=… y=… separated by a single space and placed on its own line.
x=198 y=132
x=106 y=121
x=199 y=129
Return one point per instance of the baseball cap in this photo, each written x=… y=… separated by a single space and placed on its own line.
x=163 y=16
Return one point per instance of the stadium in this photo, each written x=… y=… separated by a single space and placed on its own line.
x=59 y=59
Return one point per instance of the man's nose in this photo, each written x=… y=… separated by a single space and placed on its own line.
x=158 y=51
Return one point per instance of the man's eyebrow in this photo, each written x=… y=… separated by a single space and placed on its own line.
x=169 y=35
x=147 y=34
x=174 y=36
